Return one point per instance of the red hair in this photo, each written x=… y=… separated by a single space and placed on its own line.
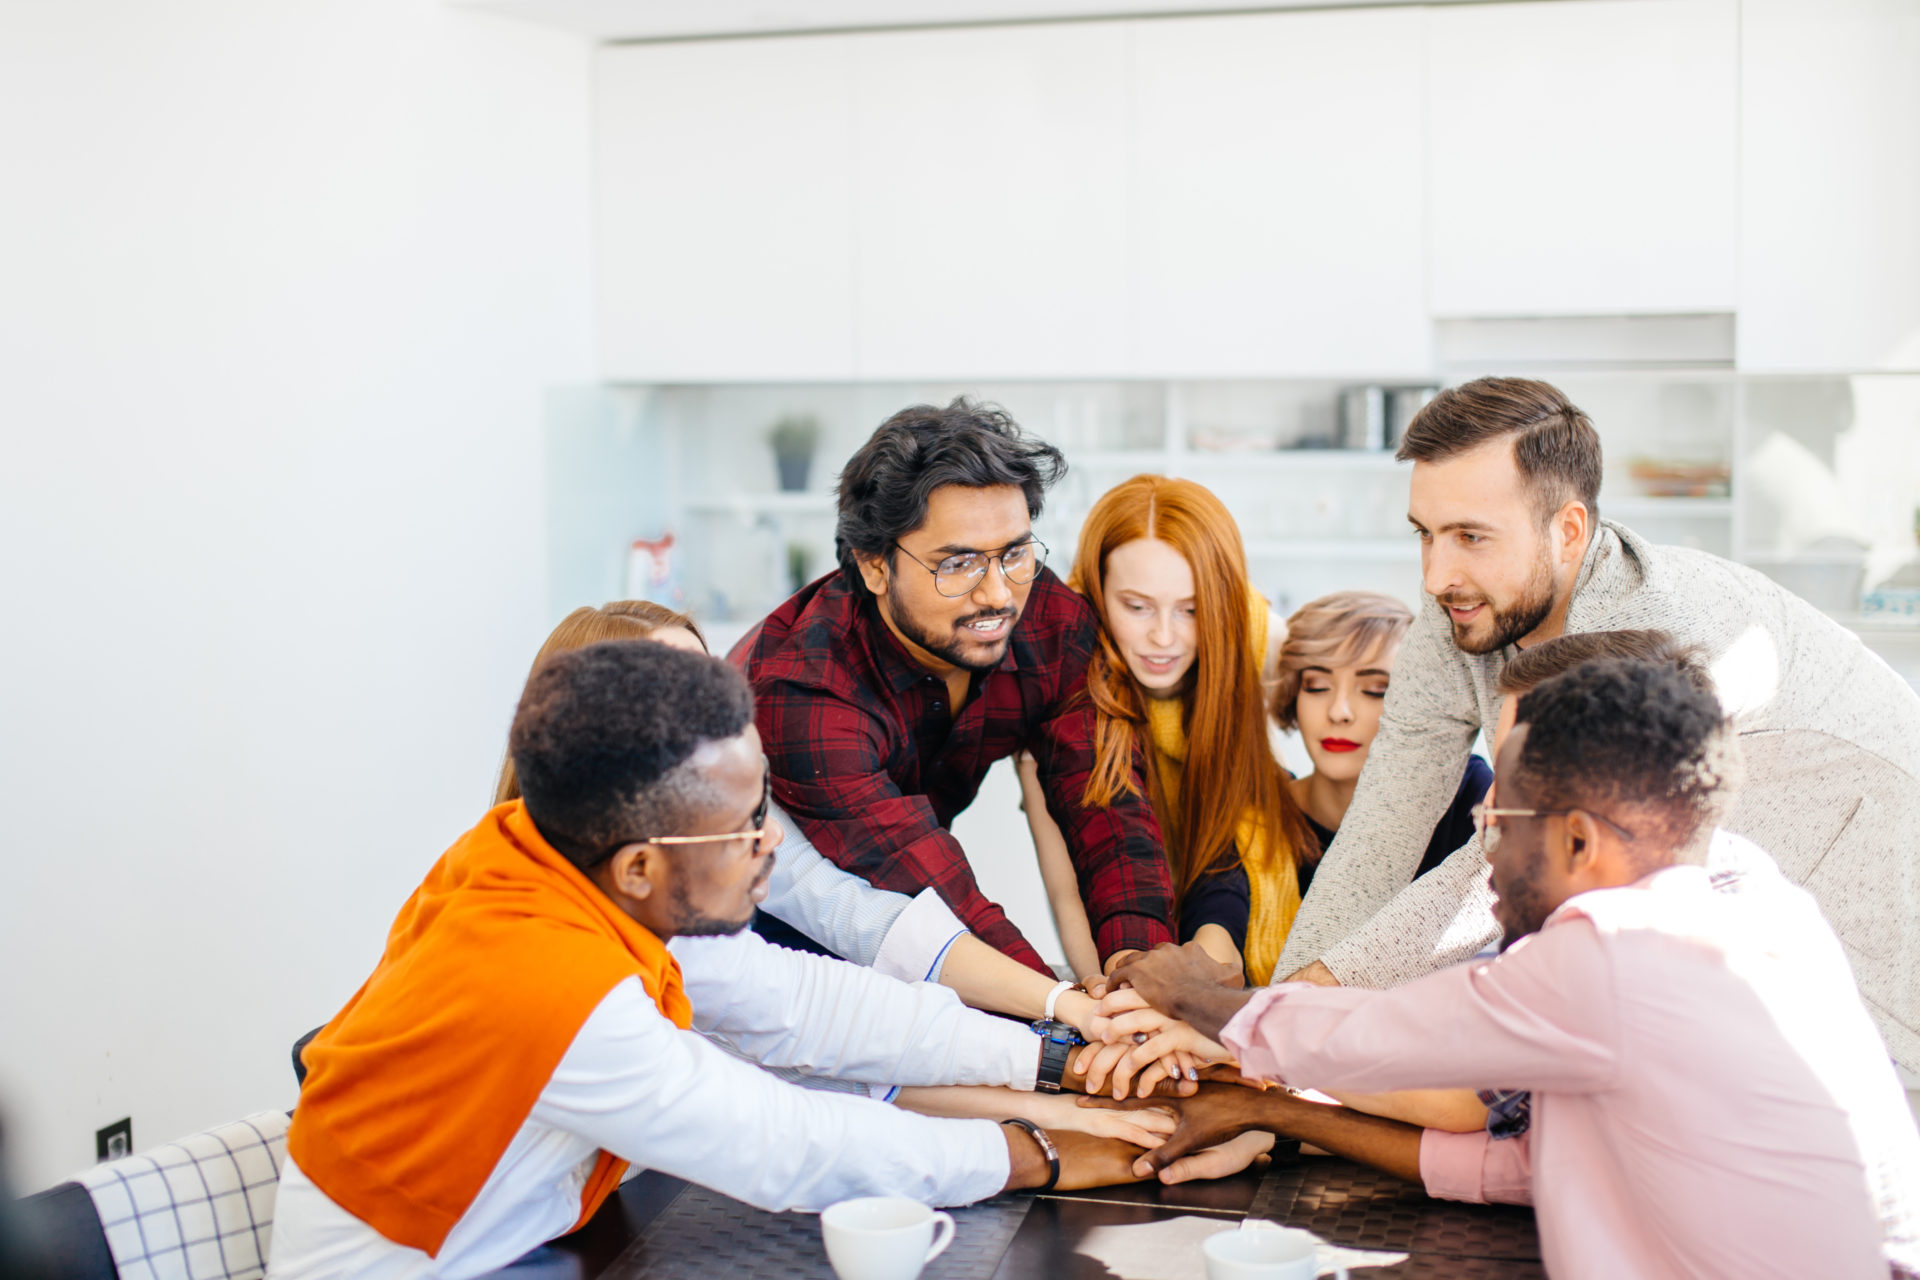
x=1223 y=709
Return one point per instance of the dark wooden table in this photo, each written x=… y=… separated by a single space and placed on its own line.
x=659 y=1228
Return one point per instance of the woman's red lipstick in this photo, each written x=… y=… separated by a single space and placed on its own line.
x=1338 y=744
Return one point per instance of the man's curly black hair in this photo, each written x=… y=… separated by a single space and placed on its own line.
x=884 y=488
x=1638 y=742
x=604 y=740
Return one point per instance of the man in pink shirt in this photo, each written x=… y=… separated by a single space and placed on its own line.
x=1709 y=1096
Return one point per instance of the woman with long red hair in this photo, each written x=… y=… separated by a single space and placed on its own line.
x=1184 y=644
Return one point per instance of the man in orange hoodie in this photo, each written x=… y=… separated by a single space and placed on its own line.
x=526 y=1033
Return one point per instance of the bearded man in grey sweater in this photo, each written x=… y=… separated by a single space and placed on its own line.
x=1506 y=480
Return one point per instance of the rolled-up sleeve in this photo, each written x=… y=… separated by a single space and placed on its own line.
x=915 y=948
x=1476 y=1167
x=835 y=908
x=1541 y=1016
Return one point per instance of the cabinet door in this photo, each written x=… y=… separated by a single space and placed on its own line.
x=990 y=220
x=1278 y=191
x=1583 y=157
x=724 y=200
x=1830 y=185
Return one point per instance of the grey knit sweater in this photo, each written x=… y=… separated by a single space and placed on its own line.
x=1830 y=733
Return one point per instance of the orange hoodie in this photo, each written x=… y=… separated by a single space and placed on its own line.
x=416 y=1088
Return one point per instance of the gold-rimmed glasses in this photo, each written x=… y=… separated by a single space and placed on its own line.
x=759 y=819
x=1488 y=830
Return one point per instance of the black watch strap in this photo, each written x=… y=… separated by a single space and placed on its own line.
x=1053 y=1064
x=1047 y=1149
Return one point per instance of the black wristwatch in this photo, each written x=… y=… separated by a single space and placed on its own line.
x=1058 y=1040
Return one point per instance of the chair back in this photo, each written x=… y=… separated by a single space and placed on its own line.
x=197 y=1209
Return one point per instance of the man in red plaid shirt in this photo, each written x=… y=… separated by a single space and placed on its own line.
x=885 y=690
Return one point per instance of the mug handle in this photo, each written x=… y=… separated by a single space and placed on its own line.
x=943 y=1236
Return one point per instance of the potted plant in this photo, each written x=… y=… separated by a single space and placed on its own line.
x=793 y=439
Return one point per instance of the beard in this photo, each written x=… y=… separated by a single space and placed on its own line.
x=1522 y=908
x=954 y=647
x=1508 y=625
x=690 y=923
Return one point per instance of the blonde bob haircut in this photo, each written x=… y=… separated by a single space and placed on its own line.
x=1334 y=631
x=618 y=620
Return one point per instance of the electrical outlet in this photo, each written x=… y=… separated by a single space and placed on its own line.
x=115 y=1141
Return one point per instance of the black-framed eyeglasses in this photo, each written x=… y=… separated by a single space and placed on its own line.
x=1488 y=830
x=958 y=574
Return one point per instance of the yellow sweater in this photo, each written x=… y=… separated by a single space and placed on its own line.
x=1271 y=874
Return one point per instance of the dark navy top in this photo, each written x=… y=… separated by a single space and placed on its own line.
x=1224 y=897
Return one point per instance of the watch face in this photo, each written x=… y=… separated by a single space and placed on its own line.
x=1054 y=1029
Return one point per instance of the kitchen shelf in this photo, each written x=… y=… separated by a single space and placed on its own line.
x=1261 y=460
x=1668 y=508
x=749 y=504
x=1376 y=549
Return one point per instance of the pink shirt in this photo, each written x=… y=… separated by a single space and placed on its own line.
x=1709 y=1096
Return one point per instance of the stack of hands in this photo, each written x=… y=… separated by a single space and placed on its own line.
x=1161 y=1097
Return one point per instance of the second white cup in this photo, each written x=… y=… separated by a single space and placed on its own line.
x=883 y=1237
x=1263 y=1253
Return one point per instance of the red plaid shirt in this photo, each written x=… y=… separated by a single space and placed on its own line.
x=868 y=760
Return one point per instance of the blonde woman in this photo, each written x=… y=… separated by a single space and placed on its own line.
x=1335 y=668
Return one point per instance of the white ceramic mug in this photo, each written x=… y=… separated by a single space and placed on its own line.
x=883 y=1237
x=1258 y=1251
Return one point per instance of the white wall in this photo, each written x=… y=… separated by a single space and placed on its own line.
x=284 y=283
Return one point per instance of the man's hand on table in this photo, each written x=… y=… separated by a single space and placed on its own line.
x=1085 y=1160
x=1212 y=1117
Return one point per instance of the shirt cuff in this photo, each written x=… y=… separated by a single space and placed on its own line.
x=1130 y=931
x=1022 y=1055
x=915 y=947
x=1241 y=1035
x=1476 y=1168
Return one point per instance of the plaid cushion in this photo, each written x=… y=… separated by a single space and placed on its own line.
x=197 y=1209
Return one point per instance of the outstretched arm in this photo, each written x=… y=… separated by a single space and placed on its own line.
x=1412 y=772
x=829 y=760
x=1220 y=1113
x=1056 y=873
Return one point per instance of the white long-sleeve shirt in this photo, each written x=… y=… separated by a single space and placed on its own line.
x=662 y=1098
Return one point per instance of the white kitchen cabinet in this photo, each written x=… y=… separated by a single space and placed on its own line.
x=1277 y=195
x=1583 y=157
x=724 y=207
x=1830 y=186
x=990 y=202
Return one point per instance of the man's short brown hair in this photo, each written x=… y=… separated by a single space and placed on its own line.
x=1554 y=444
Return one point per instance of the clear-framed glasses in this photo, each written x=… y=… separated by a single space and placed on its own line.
x=956 y=575
x=1488 y=830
